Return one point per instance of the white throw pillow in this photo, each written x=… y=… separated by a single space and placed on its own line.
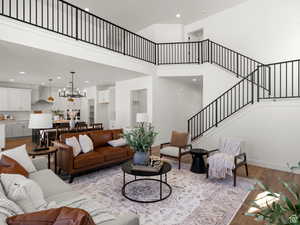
x=118 y=143
x=73 y=142
x=21 y=156
x=86 y=143
x=25 y=192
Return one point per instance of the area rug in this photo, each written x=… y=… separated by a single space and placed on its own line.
x=195 y=200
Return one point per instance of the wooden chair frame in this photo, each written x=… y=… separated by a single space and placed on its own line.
x=180 y=153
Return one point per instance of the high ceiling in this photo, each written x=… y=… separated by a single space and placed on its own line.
x=40 y=65
x=138 y=14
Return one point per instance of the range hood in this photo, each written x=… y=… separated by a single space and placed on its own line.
x=40 y=96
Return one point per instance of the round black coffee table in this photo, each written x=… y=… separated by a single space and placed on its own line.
x=127 y=169
x=198 y=165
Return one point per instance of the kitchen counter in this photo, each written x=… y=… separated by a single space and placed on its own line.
x=61 y=121
x=13 y=121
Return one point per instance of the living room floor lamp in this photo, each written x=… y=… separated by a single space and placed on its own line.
x=39 y=122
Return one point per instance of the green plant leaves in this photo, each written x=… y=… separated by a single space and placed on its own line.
x=141 y=138
x=282 y=210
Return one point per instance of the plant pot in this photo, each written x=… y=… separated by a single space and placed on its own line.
x=141 y=158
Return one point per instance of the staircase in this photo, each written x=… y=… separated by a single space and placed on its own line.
x=273 y=81
x=258 y=81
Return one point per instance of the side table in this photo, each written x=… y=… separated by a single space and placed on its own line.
x=51 y=151
x=198 y=164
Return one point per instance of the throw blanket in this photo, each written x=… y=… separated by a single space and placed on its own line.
x=222 y=163
x=100 y=215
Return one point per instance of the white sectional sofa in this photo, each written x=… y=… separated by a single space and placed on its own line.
x=57 y=190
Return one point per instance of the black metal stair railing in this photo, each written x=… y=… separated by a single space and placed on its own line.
x=281 y=79
x=231 y=60
x=228 y=103
x=206 y=51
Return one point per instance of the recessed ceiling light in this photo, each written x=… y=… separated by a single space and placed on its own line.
x=86 y=82
x=59 y=77
x=194 y=79
x=22 y=72
x=12 y=80
x=87 y=9
x=178 y=15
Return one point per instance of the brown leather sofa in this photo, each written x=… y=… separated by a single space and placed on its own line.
x=103 y=154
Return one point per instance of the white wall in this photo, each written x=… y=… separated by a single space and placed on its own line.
x=267 y=30
x=23 y=34
x=215 y=79
x=270 y=131
x=175 y=100
x=163 y=32
x=123 y=104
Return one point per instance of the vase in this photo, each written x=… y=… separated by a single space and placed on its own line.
x=72 y=124
x=141 y=158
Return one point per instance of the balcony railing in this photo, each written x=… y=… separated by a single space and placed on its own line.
x=69 y=20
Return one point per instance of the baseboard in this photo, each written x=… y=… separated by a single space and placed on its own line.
x=271 y=165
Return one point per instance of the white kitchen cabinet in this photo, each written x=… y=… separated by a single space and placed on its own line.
x=104 y=96
x=3 y=99
x=17 y=129
x=14 y=99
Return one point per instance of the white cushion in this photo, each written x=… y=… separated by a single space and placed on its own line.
x=25 y=192
x=21 y=156
x=118 y=143
x=49 y=182
x=73 y=142
x=172 y=151
x=8 y=207
x=86 y=143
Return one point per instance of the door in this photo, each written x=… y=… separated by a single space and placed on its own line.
x=138 y=104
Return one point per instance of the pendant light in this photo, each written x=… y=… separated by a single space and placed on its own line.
x=70 y=92
x=50 y=98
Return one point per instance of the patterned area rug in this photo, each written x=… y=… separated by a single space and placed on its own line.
x=195 y=200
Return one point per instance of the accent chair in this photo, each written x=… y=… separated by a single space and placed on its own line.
x=227 y=159
x=177 y=147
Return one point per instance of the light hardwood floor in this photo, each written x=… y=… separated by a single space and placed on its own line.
x=267 y=176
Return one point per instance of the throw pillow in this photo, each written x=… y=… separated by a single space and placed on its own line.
x=100 y=138
x=64 y=215
x=8 y=207
x=118 y=143
x=86 y=143
x=25 y=192
x=9 y=165
x=73 y=142
x=21 y=156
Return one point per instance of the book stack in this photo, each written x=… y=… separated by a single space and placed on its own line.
x=154 y=166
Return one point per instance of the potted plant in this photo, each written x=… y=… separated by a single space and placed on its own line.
x=140 y=139
x=279 y=208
